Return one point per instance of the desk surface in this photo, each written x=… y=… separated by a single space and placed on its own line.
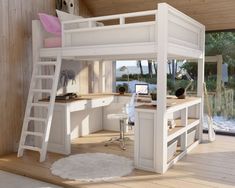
x=92 y=96
x=171 y=103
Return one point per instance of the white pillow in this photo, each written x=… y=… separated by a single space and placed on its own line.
x=64 y=16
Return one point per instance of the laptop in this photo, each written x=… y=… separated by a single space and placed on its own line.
x=142 y=89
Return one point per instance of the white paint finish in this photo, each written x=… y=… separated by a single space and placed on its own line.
x=171 y=149
x=86 y=122
x=200 y=93
x=192 y=111
x=85 y=104
x=50 y=109
x=81 y=118
x=145 y=134
x=191 y=136
x=112 y=124
x=184 y=38
x=161 y=127
x=60 y=137
x=116 y=107
x=100 y=36
x=178 y=107
x=146 y=140
x=178 y=36
x=34 y=90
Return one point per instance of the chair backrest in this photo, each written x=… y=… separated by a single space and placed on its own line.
x=130 y=108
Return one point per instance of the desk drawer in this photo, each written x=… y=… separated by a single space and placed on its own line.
x=101 y=102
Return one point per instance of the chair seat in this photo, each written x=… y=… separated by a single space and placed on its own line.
x=117 y=116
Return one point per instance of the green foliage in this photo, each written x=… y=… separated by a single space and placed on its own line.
x=144 y=78
x=216 y=43
x=221 y=43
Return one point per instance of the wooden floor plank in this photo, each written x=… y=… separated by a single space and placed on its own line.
x=208 y=165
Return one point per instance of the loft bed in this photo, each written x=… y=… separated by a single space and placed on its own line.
x=127 y=40
x=172 y=35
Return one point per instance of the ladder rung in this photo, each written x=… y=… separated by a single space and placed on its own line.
x=46 y=63
x=40 y=104
x=41 y=90
x=36 y=119
x=34 y=133
x=44 y=77
x=31 y=148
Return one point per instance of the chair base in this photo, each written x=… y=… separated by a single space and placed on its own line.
x=118 y=140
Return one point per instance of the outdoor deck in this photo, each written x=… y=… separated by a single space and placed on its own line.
x=208 y=165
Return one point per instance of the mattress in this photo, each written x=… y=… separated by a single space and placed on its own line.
x=52 y=42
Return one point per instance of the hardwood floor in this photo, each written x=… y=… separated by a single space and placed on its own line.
x=208 y=165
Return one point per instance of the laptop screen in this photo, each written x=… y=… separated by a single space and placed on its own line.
x=142 y=89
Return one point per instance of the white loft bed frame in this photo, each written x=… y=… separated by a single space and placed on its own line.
x=172 y=35
x=129 y=41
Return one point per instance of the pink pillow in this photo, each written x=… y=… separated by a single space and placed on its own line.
x=52 y=42
x=50 y=23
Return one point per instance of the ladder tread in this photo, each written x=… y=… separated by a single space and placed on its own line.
x=46 y=63
x=31 y=148
x=40 y=104
x=34 y=133
x=42 y=90
x=33 y=102
x=36 y=119
x=44 y=76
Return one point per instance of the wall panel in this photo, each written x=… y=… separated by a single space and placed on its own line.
x=16 y=64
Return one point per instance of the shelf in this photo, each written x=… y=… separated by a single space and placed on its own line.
x=179 y=129
x=177 y=153
x=180 y=104
x=175 y=132
x=180 y=154
x=192 y=122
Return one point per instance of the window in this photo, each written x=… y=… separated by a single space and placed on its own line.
x=130 y=73
x=219 y=77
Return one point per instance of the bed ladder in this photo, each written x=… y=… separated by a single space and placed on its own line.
x=33 y=102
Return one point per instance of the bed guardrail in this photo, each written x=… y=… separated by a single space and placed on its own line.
x=120 y=17
x=96 y=33
x=184 y=31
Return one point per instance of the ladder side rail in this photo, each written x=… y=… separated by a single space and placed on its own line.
x=27 y=112
x=50 y=109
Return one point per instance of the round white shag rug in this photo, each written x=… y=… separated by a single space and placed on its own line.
x=92 y=167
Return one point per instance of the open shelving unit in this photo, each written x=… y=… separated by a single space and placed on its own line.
x=186 y=130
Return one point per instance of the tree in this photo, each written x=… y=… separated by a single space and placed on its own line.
x=140 y=66
x=150 y=68
x=217 y=43
x=221 y=43
x=155 y=66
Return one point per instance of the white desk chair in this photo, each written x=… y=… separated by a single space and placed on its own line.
x=128 y=114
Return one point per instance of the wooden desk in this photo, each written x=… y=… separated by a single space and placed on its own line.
x=82 y=116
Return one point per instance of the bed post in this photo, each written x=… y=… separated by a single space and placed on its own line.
x=160 y=133
x=37 y=44
x=200 y=85
x=37 y=39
